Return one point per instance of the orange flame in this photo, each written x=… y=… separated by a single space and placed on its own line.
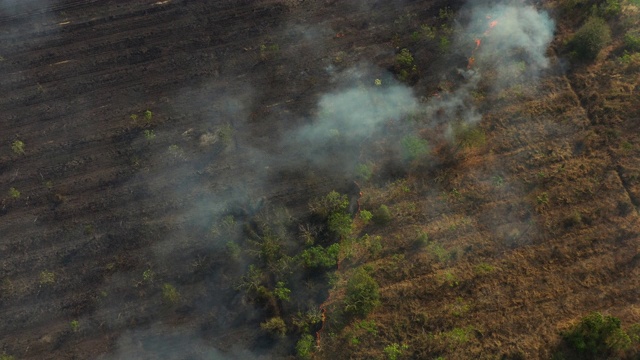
x=477 y=44
x=493 y=24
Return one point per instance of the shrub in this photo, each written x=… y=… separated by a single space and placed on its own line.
x=274 y=326
x=14 y=193
x=362 y=294
x=364 y=172
x=305 y=347
x=597 y=335
x=75 y=325
x=318 y=256
x=414 y=147
x=632 y=40
x=594 y=35
x=17 y=147
x=148 y=115
x=394 y=350
x=340 y=223
x=6 y=357
x=366 y=216
x=610 y=8
x=382 y=216
x=149 y=134
x=282 y=292
x=405 y=58
x=331 y=203
x=47 y=277
x=170 y=295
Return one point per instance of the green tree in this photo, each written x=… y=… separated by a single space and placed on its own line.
x=597 y=335
x=362 y=293
x=305 y=347
x=382 y=216
x=594 y=35
x=17 y=147
x=274 y=326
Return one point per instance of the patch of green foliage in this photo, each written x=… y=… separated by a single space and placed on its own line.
x=597 y=335
x=282 y=292
x=340 y=223
x=382 y=216
x=305 y=347
x=404 y=58
x=170 y=295
x=362 y=293
x=319 y=256
x=47 y=277
x=274 y=326
x=331 y=203
x=592 y=37
x=632 y=40
x=366 y=216
x=414 y=147
x=18 y=147
x=14 y=193
x=608 y=8
x=394 y=350
x=75 y=325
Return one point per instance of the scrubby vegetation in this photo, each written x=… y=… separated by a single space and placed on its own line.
x=592 y=37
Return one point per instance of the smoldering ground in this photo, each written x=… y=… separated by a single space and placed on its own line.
x=355 y=110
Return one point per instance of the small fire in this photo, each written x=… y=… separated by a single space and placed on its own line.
x=478 y=41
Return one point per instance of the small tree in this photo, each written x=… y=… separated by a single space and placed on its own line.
x=362 y=294
x=170 y=295
x=594 y=35
x=17 y=147
x=274 y=326
x=305 y=347
x=382 y=216
x=597 y=335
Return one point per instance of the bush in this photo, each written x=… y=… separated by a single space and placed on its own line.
x=382 y=216
x=632 y=41
x=610 y=8
x=597 y=335
x=170 y=295
x=17 y=147
x=332 y=203
x=362 y=294
x=305 y=347
x=274 y=326
x=366 y=216
x=340 y=223
x=318 y=256
x=414 y=147
x=587 y=42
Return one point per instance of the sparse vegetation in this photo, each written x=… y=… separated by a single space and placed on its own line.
x=394 y=350
x=47 y=277
x=75 y=325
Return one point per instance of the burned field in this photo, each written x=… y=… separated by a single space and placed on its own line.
x=316 y=179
